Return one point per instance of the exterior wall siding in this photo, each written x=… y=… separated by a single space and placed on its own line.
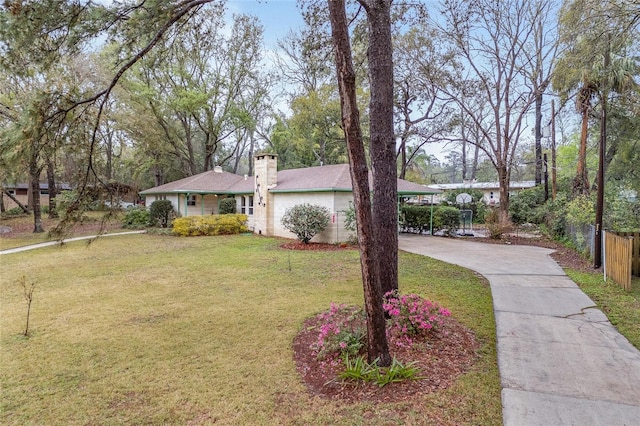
x=336 y=202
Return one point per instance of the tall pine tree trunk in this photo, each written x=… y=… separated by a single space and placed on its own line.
x=377 y=346
x=51 y=183
x=581 y=181
x=34 y=185
x=383 y=158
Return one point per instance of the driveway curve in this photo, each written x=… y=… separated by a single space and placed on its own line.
x=561 y=361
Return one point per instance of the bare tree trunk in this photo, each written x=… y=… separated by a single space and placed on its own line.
x=34 y=184
x=538 y=134
x=53 y=192
x=403 y=157
x=464 y=159
x=474 y=166
x=581 y=181
x=15 y=200
x=252 y=142
x=504 y=178
x=383 y=158
x=377 y=346
x=553 y=150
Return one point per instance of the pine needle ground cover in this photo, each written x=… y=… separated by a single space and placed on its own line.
x=149 y=329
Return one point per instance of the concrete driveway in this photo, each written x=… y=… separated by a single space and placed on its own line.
x=561 y=361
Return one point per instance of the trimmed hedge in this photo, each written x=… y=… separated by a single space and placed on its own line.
x=217 y=224
x=447 y=219
x=418 y=219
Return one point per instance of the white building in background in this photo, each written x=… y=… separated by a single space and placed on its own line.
x=490 y=190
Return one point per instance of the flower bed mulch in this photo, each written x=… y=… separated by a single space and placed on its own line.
x=442 y=356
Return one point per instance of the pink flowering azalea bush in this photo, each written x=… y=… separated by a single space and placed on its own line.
x=341 y=332
x=342 y=329
x=410 y=315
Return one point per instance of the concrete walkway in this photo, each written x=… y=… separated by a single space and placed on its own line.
x=66 y=240
x=561 y=361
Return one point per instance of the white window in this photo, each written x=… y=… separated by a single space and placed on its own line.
x=246 y=205
x=191 y=201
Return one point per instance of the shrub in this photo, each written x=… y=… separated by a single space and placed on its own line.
x=342 y=329
x=410 y=315
x=415 y=218
x=622 y=214
x=526 y=206
x=492 y=222
x=555 y=216
x=350 y=223
x=71 y=200
x=136 y=218
x=341 y=332
x=227 y=224
x=227 y=206
x=342 y=336
x=161 y=213
x=306 y=220
x=14 y=212
x=359 y=370
x=446 y=218
x=581 y=209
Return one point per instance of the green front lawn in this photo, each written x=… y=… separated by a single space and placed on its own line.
x=148 y=329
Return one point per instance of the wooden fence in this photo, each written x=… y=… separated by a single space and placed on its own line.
x=622 y=257
x=635 y=253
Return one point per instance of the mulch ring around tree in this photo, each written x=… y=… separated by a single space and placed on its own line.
x=299 y=245
x=441 y=357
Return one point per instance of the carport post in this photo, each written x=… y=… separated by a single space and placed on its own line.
x=431 y=218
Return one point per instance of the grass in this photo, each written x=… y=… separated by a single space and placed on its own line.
x=621 y=307
x=148 y=329
x=25 y=222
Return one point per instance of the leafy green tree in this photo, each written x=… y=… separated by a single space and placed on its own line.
x=590 y=32
x=306 y=220
x=527 y=206
x=315 y=124
x=196 y=86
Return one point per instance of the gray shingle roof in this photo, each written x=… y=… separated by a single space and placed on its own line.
x=310 y=179
x=209 y=182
